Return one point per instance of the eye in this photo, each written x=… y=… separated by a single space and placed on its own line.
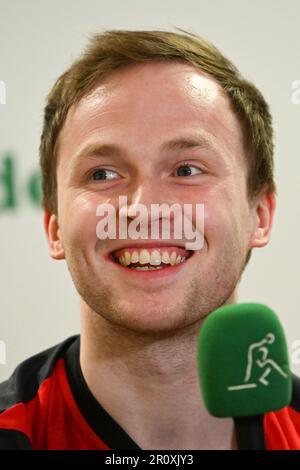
x=188 y=170
x=103 y=174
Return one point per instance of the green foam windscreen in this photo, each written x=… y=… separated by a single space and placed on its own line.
x=243 y=361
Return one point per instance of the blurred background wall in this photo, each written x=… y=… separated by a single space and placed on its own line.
x=39 y=39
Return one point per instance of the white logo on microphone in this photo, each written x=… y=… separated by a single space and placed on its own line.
x=261 y=361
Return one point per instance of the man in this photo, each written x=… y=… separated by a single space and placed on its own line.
x=158 y=117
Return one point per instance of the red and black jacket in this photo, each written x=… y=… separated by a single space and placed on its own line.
x=46 y=405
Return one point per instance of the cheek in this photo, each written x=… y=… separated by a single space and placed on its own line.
x=224 y=220
x=78 y=222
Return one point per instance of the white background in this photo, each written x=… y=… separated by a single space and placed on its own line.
x=38 y=40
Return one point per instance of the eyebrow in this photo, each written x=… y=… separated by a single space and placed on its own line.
x=180 y=143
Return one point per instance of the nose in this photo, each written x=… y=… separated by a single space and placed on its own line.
x=150 y=200
x=147 y=192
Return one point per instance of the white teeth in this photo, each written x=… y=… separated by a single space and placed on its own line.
x=127 y=258
x=154 y=258
x=173 y=258
x=122 y=261
x=147 y=268
x=135 y=257
x=144 y=257
x=165 y=257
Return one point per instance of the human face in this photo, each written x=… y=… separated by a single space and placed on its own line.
x=139 y=110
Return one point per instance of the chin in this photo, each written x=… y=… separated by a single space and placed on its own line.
x=151 y=321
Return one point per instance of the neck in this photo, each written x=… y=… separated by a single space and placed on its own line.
x=128 y=371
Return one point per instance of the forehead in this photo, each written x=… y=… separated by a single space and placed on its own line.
x=145 y=104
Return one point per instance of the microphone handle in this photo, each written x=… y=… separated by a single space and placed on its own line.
x=250 y=432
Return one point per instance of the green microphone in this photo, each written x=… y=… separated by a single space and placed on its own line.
x=244 y=367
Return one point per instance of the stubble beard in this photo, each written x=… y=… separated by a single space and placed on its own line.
x=206 y=292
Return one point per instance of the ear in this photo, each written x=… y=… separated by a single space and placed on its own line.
x=264 y=212
x=52 y=230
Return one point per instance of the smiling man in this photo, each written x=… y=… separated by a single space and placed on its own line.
x=161 y=118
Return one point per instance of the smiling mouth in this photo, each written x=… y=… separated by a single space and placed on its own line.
x=158 y=258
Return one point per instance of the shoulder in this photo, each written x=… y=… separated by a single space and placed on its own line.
x=20 y=397
x=282 y=427
x=24 y=382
